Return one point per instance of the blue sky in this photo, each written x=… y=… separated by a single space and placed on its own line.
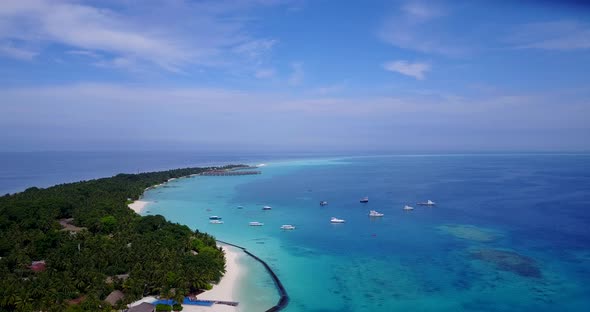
x=295 y=75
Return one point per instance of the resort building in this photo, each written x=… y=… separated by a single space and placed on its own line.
x=143 y=307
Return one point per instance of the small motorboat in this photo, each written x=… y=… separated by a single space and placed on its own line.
x=427 y=203
x=336 y=220
x=364 y=200
x=240 y=207
x=216 y=222
x=266 y=208
x=255 y=223
x=408 y=208
x=323 y=203
x=214 y=218
x=374 y=213
x=287 y=227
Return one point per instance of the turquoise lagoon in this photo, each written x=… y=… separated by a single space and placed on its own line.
x=509 y=233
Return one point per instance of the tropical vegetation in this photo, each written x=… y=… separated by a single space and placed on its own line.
x=107 y=247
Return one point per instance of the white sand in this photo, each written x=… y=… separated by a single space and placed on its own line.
x=226 y=290
x=138 y=206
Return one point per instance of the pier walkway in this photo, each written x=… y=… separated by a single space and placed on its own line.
x=230 y=173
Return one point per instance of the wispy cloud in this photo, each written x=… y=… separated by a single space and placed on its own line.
x=10 y=50
x=264 y=73
x=328 y=89
x=84 y=53
x=105 y=112
x=179 y=35
x=297 y=74
x=422 y=10
x=422 y=26
x=558 y=35
x=255 y=48
x=416 y=70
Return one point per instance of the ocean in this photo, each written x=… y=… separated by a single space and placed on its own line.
x=508 y=233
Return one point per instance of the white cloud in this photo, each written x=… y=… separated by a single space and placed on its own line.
x=416 y=70
x=168 y=34
x=297 y=74
x=557 y=35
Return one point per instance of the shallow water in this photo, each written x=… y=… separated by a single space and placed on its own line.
x=471 y=252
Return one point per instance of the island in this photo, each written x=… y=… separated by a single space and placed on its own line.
x=78 y=247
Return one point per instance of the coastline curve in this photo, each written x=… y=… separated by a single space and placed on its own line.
x=284 y=300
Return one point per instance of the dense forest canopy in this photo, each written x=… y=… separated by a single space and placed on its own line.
x=106 y=247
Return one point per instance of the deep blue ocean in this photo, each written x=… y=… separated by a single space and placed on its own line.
x=508 y=233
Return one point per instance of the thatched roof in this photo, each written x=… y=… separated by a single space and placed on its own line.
x=114 y=296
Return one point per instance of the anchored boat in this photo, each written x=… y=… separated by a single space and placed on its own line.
x=374 y=213
x=336 y=220
x=427 y=203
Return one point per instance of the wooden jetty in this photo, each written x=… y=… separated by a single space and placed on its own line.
x=230 y=173
x=229 y=303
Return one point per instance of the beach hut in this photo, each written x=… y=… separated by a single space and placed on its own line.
x=143 y=307
x=114 y=297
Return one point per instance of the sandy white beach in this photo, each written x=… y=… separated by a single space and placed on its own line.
x=138 y=206
x=226 y=290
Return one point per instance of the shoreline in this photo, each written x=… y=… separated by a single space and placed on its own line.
x=284 y=297
x=227 y=288
x=138 y=206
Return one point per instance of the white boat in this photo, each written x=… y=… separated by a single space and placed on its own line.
x=374 y=213
x=255 y=223
x=336 y=220
x=406 y=207
x=287 y=227
x=216 y=222
x=323 y=203
x=266 y=208
x=427 y=203
x=364 y=200
x=214 y=218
